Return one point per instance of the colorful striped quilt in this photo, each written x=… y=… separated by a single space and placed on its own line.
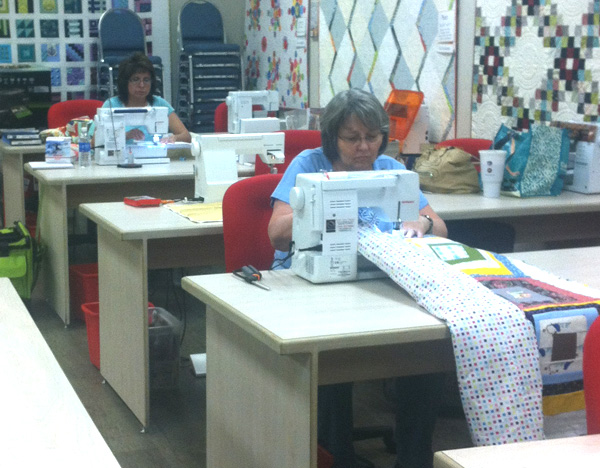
x=517 y=331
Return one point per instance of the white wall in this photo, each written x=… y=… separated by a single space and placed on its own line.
x=465 y=31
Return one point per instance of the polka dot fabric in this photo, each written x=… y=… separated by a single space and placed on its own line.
x=494 y=344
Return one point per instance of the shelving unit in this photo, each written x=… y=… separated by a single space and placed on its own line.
x=205 y=79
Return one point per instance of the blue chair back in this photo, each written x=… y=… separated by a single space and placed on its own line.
x=121 y=34
x=200 y=22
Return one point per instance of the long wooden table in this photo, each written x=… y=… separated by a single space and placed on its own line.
x=44 y=421
x=537 y=221
x=65 y=189
x=580 y=452
x=131 y=241
x=267 y=352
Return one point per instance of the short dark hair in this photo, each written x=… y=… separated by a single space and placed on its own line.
x=352 y=102
x=138 y=62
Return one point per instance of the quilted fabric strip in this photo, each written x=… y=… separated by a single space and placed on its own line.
x=494 y=344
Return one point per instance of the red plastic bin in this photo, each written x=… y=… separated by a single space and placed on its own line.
x=91 y=311
x=83 y=284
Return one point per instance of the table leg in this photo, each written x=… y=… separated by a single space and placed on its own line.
x=52 y=225
x=14 y=196
x=124 y=361
x=261 y=406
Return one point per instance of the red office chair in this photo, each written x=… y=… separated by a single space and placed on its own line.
x=61 y=113
x=221 y=116
x=246 y=214
x=295 y=142
x=591 y=377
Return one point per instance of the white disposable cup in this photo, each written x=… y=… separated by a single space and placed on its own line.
x=492 y=171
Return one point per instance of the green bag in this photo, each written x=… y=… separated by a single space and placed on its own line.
x=20 y=257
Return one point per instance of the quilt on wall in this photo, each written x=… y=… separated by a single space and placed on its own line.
x=535 y=60
x=275 y=52
x=62 y=35
x=380 y=45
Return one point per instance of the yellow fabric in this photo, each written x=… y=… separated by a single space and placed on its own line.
x=199 y=212
x=563 y=403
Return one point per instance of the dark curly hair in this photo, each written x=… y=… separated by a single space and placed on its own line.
x=135 y=63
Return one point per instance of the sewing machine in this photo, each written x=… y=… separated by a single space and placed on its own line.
x=325 y=224
x=216 y=158
x=113 y=123
x=240 y=116
x=583 y=168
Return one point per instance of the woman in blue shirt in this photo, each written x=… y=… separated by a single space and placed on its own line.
x=354 y=134
x=136 y=85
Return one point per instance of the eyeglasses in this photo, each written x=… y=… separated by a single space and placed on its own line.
x=137 y=80
x=356 y=140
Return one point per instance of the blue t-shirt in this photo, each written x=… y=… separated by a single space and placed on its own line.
x=314 y=160
x=115 y=101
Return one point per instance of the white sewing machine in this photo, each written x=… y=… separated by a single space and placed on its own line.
x=111 y=126
x=583 y=168
x=240 y=116
x=325 y=223
x=216 y=158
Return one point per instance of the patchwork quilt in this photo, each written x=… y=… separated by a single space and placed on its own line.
x=561 y=312
x=517 y=331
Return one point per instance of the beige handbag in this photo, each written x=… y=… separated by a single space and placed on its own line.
x=447 y=170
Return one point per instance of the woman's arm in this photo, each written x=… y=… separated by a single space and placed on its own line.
x=419 y=228
x=177 y=128
x=280 y=226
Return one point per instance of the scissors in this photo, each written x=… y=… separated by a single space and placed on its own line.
x=251 y=275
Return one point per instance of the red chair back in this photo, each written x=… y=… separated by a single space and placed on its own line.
x=61 y=113
x=470 y=145
x=246 y=214
x=221 y=118
x=296 y=141
x=591 y=377
x=221 y=124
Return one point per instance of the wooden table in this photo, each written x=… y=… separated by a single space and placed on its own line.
x=579 y=452
x=538 y=220
x=131 y=241
x=45 y=423
x=11 y=158
x=269 y=350
x=64 y=189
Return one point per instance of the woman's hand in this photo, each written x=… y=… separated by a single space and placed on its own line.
x=135 y=134
x=415 y=228
x=421 y=227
